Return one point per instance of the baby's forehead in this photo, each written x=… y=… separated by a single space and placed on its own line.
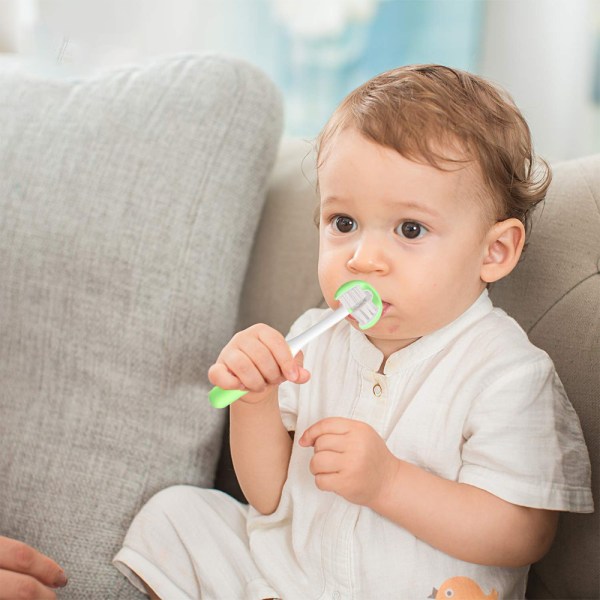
x=441 y=150
x=462 y=182
x=448 y=157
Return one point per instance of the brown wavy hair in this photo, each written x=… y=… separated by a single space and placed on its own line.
x=422 y=111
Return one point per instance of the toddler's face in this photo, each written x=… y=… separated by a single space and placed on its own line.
x=414 y=232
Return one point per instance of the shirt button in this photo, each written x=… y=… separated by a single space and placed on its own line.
x=377 y=391
x=336 y=596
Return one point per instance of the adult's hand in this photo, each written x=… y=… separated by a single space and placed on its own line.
x=26 y=573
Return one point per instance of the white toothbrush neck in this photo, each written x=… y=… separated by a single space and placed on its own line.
x=296 y=344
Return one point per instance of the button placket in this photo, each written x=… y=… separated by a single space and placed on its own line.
x=378 y=402
x=378 y=389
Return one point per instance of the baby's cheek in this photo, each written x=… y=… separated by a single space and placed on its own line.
x=326 y=282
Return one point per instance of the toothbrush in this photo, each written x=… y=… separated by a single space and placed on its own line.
x=357 y=298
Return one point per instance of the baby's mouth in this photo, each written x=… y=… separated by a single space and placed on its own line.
x=385 y=308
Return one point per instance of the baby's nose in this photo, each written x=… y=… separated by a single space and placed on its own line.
x=368 y=257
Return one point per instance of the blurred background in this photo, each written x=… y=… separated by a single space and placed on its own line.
x=546 y=53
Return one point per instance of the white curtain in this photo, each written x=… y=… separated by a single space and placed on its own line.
x=543 y=52
x=9 y=19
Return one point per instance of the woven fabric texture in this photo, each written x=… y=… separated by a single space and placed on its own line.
x=128 y=207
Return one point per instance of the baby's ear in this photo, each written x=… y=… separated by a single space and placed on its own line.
x=503 y=246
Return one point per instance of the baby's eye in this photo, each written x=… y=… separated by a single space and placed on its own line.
x=343 y=224
x=411 y=230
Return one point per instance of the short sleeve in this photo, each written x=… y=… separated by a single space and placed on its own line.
x=523 y=442
x=288 y=392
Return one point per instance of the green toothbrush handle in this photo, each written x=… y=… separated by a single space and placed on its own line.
x=221 y=398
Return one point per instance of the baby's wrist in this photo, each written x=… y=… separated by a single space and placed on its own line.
x=259 y=399
x=386 y=494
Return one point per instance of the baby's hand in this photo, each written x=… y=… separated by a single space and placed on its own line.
x=256 y=360
x=350 y=458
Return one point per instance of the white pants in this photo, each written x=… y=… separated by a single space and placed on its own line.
x=189 y=543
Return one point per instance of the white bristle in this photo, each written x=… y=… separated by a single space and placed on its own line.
x=359 y=302
x=356 y=300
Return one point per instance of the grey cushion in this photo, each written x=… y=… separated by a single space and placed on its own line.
x=128 y=206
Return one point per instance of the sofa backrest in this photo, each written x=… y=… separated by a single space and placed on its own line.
x=281 y=282
x=554 y=294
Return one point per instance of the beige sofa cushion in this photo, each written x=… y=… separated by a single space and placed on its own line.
x=282 y=276
x=555 y=294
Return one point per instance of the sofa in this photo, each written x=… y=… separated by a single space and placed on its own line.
x=148 y=213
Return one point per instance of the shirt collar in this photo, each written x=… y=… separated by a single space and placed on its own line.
x=365 y=353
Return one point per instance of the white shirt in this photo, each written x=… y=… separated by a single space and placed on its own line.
x=473 y=402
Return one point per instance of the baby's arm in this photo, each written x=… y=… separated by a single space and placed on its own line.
x=258 y=359
x=465 y=521
x=351 y=459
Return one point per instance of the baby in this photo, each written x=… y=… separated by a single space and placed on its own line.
x=433 y=450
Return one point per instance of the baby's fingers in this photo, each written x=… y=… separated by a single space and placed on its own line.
x=262 y=356
x=243 y=367
x=219 y=374
x=255 y=359
x=280 y=351
x=275 y=348
x=302 y=374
